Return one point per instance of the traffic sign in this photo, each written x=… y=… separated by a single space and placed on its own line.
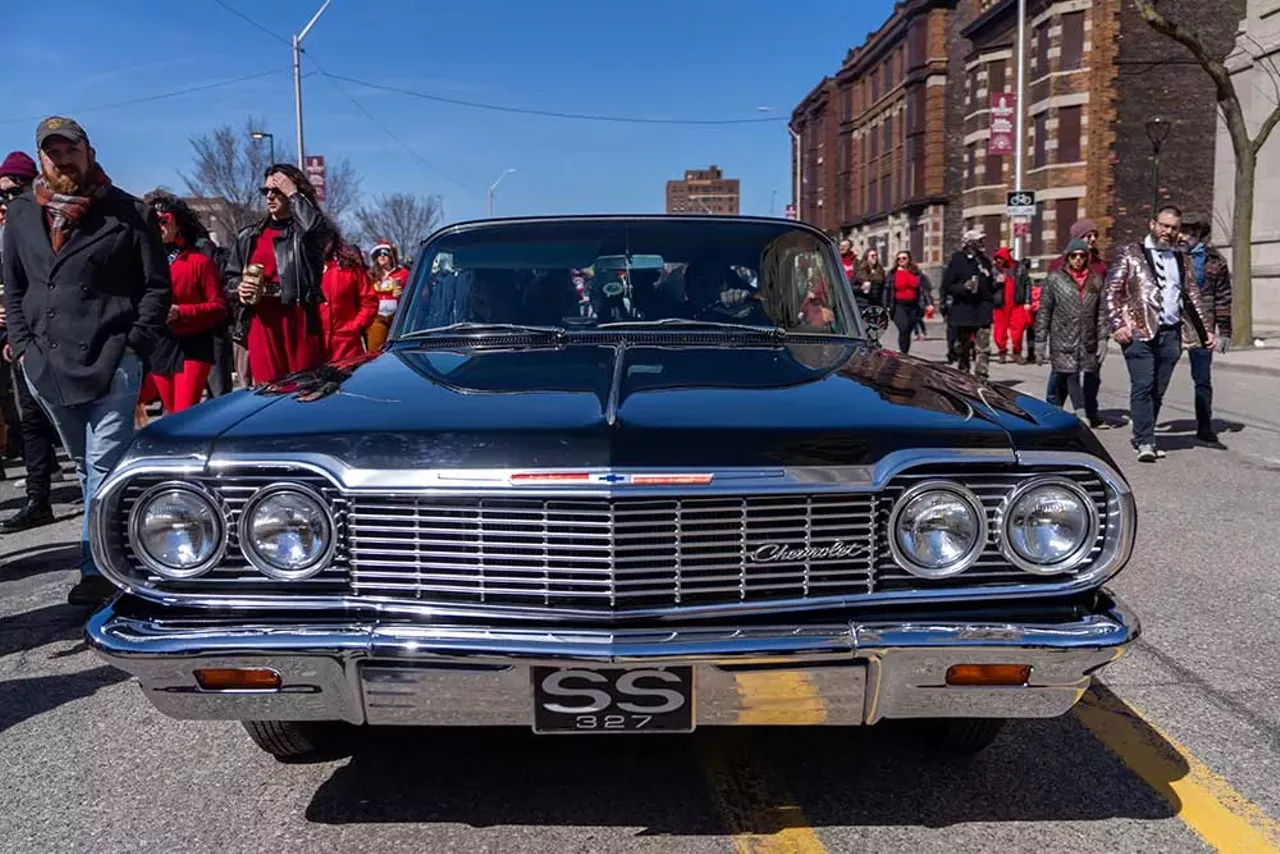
x=1021 y=228
x=315 y=174
x=1021 y=203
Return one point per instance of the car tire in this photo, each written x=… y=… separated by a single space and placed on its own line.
x=965 y=736
x=299 y=740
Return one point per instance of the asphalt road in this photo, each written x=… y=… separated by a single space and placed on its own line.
x=1178 y=748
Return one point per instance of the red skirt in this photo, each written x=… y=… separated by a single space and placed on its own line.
x=278 y=342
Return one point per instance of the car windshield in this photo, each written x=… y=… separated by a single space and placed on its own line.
x=617 y=274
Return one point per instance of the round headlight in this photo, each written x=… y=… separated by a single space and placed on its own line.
x=286 y=532
x=1048 y=525
x=177 y=531
x=937 y=529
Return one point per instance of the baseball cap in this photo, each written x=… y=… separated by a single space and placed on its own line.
x=68 y=129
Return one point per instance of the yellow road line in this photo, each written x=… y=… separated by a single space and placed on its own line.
x=1205 y=801
x=759 y=812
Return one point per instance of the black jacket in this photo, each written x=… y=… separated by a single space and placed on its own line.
x=71 y=315
x=970 y=309
x=299 y=260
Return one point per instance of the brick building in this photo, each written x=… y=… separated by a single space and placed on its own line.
x=873 y=138
x=1095 y=74
x=704 y=191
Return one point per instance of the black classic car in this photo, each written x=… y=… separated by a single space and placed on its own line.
x=616 y=475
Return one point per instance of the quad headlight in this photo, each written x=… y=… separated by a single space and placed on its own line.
x=937 y=529
x=1048 y=525
x=287 y=532
x=177 y=530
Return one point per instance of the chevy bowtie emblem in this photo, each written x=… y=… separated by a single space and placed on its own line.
x=611 y=478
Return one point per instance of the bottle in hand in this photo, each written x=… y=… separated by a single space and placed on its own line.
x=253 y=275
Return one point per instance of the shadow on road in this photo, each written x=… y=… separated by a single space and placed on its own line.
x=1038 y=770
x=23 y=699
x=36 y=560
x=42 y=626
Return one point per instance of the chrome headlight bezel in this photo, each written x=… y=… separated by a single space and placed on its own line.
x=265 y=566
x=968 y=558
x=212 y=501
x=1077 y=556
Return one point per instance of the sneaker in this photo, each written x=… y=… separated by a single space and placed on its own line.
x=1146 y=453
x=1082 y=415
x=1002 y=358
x=1099 y=424
x=91 y=591
x=1160 y=454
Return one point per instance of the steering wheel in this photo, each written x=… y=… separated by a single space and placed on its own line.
x=738 y=309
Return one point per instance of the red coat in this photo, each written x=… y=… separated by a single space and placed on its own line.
x=349 y=308
x=196 y=294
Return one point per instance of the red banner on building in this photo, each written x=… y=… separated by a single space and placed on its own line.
x=1003 y=107
x=315 y=174
x=790 y=212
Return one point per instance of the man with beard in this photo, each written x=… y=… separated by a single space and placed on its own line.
x=88 y=292
x=970 y=281
x=1154 y=308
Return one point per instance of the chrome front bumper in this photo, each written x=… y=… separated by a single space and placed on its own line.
x=419 y=675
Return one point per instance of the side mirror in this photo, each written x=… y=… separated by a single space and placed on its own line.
x=876 y=318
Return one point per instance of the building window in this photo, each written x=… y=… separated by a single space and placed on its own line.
x=1037 y=231
x=875 y=85
x=1042 y=133
x=917 y=171
x=888 y=135
x=995 y=77
x=993 y=169
x=1069 y=135
x=970 y=167
x=1067 y=211
x=846 y=103
x=1042 y=49
x=1072 y=41
x=918 y=42
x=872 y=204
x=973 y=88
x=991 y=225
x=875 y=143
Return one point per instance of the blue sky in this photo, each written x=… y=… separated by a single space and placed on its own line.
x=696 y=59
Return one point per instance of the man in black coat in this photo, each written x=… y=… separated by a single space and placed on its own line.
x=88 y=295
x=970 y=282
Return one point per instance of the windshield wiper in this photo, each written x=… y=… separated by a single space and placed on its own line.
x=771 y=332
x=472 y=328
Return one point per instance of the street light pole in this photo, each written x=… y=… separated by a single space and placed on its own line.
x=1157 y=131
x=262 y=134
x=799 y=171
x=1019 y=127
x=297 y=78
x=494 y=186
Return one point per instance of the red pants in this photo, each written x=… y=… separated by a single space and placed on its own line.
x=179 y=391
x=1011 y=320
x=278 y=342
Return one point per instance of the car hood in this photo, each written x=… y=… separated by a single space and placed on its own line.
x=829 y=403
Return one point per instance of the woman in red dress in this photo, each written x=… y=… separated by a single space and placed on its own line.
x=278 y=310
x=350 y=304
x=180 y=365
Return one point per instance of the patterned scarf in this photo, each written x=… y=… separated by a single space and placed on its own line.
x=66 y=210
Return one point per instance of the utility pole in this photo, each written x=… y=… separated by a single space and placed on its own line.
x=297 y=79
x=798 y=179
x=494 y=186
x=1019 y=126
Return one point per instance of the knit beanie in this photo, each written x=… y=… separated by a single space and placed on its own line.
x=19 y=165
x=1076 y=245
x=1082 y=227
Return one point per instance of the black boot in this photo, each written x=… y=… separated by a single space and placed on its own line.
x=32 y=515
x=91 y=591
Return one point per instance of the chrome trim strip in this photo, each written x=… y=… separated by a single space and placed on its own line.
x=215 y=503
x=1115 y=553
x=1071 y=561
x=264 y=566
x=967 y=559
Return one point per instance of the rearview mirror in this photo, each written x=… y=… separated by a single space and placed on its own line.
x=876 y=318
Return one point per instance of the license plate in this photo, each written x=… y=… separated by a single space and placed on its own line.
x=656 y=699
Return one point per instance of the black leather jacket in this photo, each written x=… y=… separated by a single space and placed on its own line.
x=299 y=259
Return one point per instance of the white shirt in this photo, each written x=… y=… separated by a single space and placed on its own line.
x=1166 y=270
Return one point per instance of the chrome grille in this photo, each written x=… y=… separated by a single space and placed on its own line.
x=234 y=572
x=605 y=554
x=991 y=487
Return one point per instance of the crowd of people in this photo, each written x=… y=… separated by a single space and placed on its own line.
x=111 y=303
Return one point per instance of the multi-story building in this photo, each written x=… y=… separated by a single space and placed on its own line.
x=1095 y=75
x=704 y=191
x=873 y=139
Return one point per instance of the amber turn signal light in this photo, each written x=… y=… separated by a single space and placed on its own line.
x=988 y=674
x=237 y=679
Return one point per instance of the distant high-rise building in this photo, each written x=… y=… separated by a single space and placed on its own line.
x=704 y=191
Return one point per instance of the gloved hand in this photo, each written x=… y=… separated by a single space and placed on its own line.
x=734 y=296
x=1224 y=342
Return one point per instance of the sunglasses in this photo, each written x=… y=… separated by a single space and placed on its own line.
x=10 y=194
x=382 y=253
x=266 y=191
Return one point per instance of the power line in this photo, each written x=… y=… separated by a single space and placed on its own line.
x=555 y=114
x=148 y=98
x=251 y=22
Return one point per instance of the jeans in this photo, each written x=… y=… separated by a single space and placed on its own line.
x=96 y=435
x=905 y=317
x=1081 y=387
x=1150 y=365
x=1201 y=359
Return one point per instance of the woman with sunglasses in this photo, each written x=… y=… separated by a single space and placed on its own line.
x=389 y=279
x=180 y=364
x=910 y=289
x=1072 y=331
x=277 y=300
